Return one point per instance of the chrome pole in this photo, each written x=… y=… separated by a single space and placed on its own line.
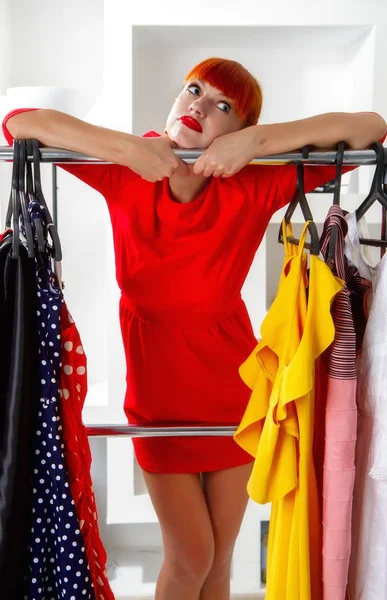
x=351 y=157
x=139 y=431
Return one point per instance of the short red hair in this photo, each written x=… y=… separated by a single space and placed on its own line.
x=231 y=78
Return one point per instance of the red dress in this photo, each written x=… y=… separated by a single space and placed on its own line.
x=185 y=328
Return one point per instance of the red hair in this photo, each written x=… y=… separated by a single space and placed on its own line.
x=231 y=78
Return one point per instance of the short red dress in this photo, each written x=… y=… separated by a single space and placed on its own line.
x=185 y=328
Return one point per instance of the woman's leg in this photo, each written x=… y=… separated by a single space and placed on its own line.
x=186 y=528
x=226 y=498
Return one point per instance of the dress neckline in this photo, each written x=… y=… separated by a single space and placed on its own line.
x=184 y=206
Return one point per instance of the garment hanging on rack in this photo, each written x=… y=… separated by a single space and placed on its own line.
x=340 y=416
x=77 y=450
x=277 y=427
x=368 y=565
x=58 y=564
x=19 y=393
x=43 y=553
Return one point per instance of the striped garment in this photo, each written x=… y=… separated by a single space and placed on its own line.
x=339 y=399
x=348 y=309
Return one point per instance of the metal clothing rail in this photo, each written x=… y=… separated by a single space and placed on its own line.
x=351 y=157
x=138 y=431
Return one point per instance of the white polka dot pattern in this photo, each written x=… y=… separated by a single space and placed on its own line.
x=58 y=565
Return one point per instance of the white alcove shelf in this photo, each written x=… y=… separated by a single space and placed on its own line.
x=303 y=70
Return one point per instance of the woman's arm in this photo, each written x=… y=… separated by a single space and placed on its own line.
x=59 y=130
x=358 y=130
x=229 y=153
x=152 y=158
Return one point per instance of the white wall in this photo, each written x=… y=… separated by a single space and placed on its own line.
x=64 y=40
x=4 y=42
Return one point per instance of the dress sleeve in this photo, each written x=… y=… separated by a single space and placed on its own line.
x=105 y=179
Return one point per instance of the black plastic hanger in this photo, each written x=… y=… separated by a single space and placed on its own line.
x=14 y=181
x=38 y=226
x=376 y=193
x=14 y=204
x=336 y=197
x=57 y=250
x=14 y=184
x=18 y=203
x=301 y=200
x=24 y=199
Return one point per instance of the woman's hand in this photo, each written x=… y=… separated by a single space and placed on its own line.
x=154 y=159
x=228 y=153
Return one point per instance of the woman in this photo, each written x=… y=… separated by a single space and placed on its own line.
x=185 y=237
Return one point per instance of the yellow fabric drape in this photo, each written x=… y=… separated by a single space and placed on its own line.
x=277 y=427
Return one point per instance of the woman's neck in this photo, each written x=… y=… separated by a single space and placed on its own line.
x=185 y=188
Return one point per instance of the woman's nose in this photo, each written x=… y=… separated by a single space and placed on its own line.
x=197 y=106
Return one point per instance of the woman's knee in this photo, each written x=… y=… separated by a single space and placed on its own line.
x=185 y=522
x=191 y=562
x=221 y=563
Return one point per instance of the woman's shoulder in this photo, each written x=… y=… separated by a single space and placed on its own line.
x=251 y=171
x=252 y=177
x=258 y=184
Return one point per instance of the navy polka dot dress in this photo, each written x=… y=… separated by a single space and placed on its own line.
x=58 y=564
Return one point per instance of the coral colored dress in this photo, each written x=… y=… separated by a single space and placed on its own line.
x=185 y=327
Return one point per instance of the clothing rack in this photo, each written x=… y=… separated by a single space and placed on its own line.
x=351 y=157
x=138 y=431
x=57 y=155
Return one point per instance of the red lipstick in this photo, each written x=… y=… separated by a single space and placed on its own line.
x=191 y=123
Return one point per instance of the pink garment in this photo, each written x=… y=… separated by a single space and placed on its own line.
x=338 y=483
x=340 y=413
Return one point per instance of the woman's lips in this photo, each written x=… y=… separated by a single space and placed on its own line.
x=191 y=123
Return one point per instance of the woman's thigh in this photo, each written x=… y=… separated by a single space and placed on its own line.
x=186 y=528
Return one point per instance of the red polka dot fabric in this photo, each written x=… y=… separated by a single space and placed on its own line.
x=77 y=451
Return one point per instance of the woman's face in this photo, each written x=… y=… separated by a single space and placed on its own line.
x=200 y=114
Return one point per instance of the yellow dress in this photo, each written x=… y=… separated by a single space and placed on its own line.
x=277 y=426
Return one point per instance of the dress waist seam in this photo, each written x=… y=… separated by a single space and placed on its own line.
x=181 y=319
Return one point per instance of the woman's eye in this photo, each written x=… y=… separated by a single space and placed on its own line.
x=224 y=107
x=192 y=88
